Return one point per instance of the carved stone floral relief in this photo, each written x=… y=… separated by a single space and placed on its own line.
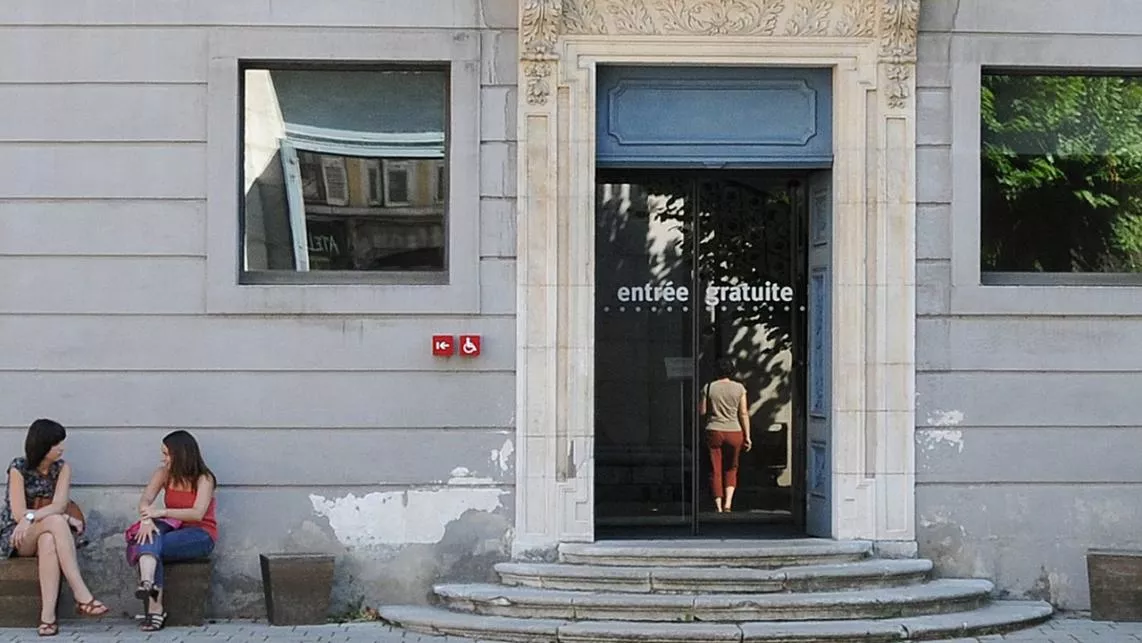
x=894 y=22
x=898 y=31
x=844 y=18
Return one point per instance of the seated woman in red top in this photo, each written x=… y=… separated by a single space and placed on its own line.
x=184 y=529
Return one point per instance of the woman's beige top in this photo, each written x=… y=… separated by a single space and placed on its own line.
x=723 y=398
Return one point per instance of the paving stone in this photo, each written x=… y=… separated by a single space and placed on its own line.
x=1067 y=629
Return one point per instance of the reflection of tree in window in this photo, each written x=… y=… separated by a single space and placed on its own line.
x=1061 y=173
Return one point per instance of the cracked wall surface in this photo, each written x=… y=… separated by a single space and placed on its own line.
x=1027 y=434
x=330 y=430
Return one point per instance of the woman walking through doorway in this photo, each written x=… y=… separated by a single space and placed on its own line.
x=725 y=411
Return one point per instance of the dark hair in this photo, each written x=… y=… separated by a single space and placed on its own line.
x=725 y=367
x=187 y=465
x=42 y=436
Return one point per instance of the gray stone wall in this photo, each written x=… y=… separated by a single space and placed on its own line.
x=1028 y=437
x=332 y=432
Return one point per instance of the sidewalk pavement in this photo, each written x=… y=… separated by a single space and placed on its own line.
x=1065 y=628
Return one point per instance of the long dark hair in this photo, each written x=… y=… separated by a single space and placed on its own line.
x=43 y=434
x=187 y=465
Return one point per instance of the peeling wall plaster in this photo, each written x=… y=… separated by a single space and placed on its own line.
x=417 y=516
x=931 y=438
x=945 y=418
x=502 y=457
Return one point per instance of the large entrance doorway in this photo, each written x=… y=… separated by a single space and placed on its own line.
x=693 y=267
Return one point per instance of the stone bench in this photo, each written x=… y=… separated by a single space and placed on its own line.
x=186 y=593
x=185 y=597
x=19 y=592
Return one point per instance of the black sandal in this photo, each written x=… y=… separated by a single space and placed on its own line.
x=48 y=629
x=145 y=590
x=154 y=621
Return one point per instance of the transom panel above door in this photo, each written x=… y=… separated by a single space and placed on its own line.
x=714 y=117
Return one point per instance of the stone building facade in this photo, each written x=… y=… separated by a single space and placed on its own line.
x=205 y=224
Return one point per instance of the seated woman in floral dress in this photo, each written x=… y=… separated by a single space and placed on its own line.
x=42 y=478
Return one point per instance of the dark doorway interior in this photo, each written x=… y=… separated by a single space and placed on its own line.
x=692 y=266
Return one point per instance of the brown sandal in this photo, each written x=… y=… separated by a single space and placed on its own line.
x=48 y=629
x=92 y=607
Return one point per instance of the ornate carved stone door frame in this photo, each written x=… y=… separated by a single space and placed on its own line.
x=871 y=47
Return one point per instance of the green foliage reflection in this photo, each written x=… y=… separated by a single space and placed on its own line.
x=1062 y=173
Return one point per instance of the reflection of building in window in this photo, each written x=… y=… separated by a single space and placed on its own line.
x=345 y=170
x=366 y=213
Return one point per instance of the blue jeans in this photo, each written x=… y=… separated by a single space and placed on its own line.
x=187 y=543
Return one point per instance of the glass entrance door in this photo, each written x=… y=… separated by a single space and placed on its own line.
x=693 y=267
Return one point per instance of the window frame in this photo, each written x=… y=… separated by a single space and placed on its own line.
x=230 y=289
x=1004 y=293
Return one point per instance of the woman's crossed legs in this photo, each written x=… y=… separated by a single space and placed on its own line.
x=51 y=542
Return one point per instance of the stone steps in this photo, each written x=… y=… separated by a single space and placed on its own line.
x=998 y=617
x=805 y=589
x=936 y=597
x=763 y=554
x=871 y=573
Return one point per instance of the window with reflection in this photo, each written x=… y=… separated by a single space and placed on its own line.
x=345 y=170
x=1061 y=173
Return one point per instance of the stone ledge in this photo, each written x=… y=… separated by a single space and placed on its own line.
x=864 y=574
x=939 y=596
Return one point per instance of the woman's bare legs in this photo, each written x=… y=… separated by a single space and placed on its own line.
x=63 y=552
x=155 y=605
x=147 y=565
x=729 y=498
x=43 y=547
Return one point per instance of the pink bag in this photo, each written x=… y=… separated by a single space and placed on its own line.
x=133 y=530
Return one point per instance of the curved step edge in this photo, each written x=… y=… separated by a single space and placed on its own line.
x=442 y=622
x=996 y=618
x=871 y=573
x=949 y=595
x=757 y=554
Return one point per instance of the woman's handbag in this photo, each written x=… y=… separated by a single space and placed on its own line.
x=162 y=525
x=75 y=518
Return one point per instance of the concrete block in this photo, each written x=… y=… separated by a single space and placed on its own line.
x=498 y=169
x=933 y=117
x=186 y=591
x=933 y=287
x=498 y=229
x=19 y=592
x=1115 y=578
x=498 y=113
x=498 y=293
x=297 y=587
x=933 y=173
x=499 y=14
x=499 y=58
